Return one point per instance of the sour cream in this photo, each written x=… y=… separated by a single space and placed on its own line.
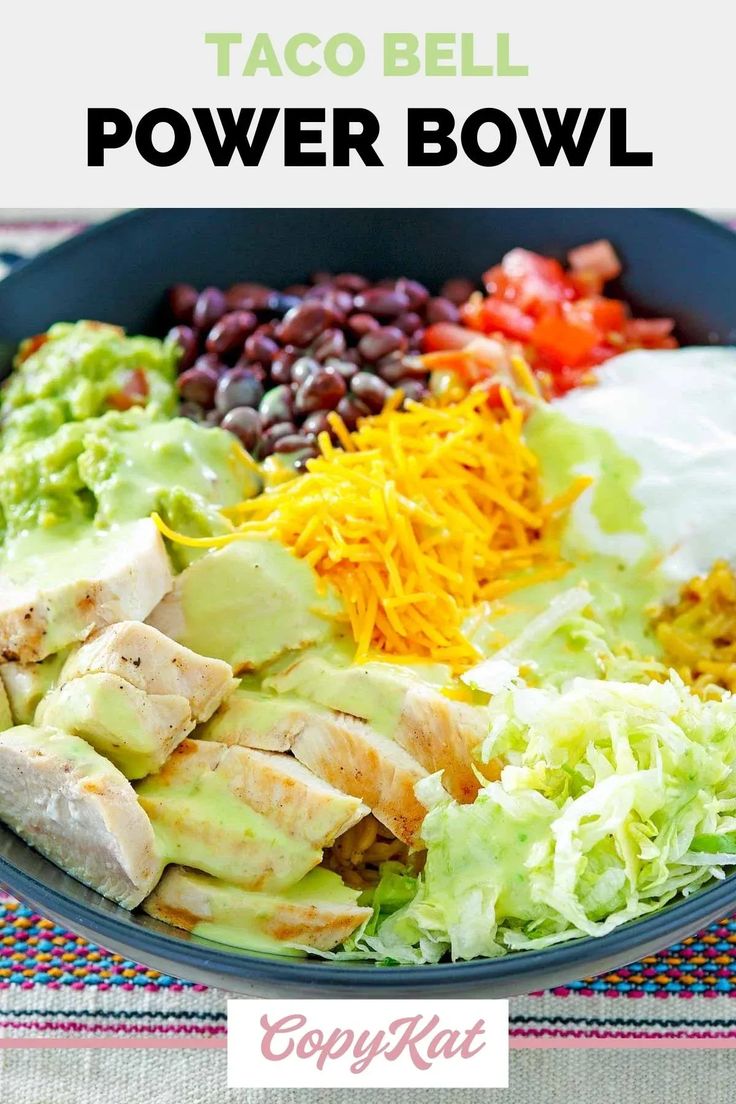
x=674 y=413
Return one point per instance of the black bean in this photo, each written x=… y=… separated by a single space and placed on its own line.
x=371 y=390
x=249 y=296
x=303 y=324
x=316 y=423
x=300 y=464
x=415 y=368
x=383 y=302
x=273 y=434
x=330 y=343
x=209 y=360
x=239 y=387
x=279 y=303
x=261 y=346
x=391 y=368
x=276 y=406
x=320 y=391
x=441 y=310
x=350 y=409
x=409 y=322
x=416 y=293
x=191 y=410
x=186 y=339
x=230 y=332
x=209 y=308
x=457 y=290
x=293 y=442
x=253 y=366
x=244 y=422
x=280 y=370
x=302 y=368
x=182 y=298
x=382 y=342
x=198 y=384
x=412 y=389
x=352 y=282
x=346 y=368
x=339 y=303
x=360 y=324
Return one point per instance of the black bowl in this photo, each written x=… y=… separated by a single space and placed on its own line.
x=676 y=264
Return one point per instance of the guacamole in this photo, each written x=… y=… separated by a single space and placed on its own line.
x=117 y=468
x=88 y=437
x=77 y=371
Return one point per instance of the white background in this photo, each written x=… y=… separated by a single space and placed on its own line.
x=248 y=1068
x=669 y=63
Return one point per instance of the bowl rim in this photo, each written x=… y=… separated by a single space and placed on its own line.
x=567 y=959
x=572 y=959
x=100 y=229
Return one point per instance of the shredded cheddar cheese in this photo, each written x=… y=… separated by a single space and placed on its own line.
x=414 y=518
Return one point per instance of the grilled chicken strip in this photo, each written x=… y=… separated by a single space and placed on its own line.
x=252 y=719
x=76 y=808
x=257 y=819
x=48 y=602
x=318 y=912
x=441 y=735
x=26 y=683
x=437 y=732
x=136 y=731
x=155 y=664
x=350 y=755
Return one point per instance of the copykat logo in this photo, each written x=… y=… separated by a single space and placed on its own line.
x=384 y=1043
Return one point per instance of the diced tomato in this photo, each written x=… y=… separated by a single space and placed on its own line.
x=530 y=281
x=567 y=342
x=598 y=258
x=446 y=335
x=606 y=315
x=562 y=319
x=567 y=379
x=498 y=316
x=648 y=331
x=31 y=345
x=495 y=281
x=133 y=393
x=492 y=389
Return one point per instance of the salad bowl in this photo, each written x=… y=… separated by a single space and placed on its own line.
x=675 y=264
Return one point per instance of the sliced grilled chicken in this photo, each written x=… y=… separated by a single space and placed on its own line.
x=135 y=730
x=251 y=719
x=282 y=789
x=351 y=756
x=26 y=683
x=247 y=603
x=319 y=912
x=253 y=818
x=436 y=731
x=50 y=601
x=76 y=808
x=441 y=735
x=154 y=663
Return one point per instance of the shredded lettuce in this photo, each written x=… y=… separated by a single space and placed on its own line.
x=614 y=798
